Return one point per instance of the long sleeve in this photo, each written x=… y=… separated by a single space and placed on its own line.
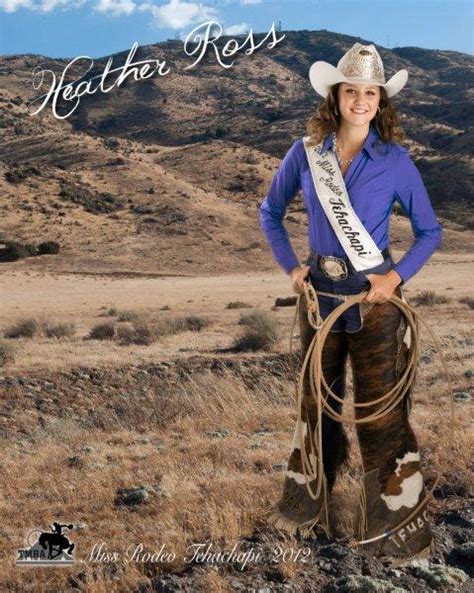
x=411 y=193
x=283 y=188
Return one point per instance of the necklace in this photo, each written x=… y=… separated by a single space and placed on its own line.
x=340 y=160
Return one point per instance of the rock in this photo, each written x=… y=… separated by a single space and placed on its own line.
x=362 y=584
x=279 y=467
x=216 y=434
x=466 y=550
x=438 y=576
x=75 y=461
x=461 y=396
x=131 y=496
x=163 y=492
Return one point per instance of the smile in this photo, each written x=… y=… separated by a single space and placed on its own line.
x=359 y=110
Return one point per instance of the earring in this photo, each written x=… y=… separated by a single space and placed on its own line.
x=336 y=111
x=379 y=110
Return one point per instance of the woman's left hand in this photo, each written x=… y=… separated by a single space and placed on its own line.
x=382 y=286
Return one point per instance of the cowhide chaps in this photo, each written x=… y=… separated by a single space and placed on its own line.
x=393 y=484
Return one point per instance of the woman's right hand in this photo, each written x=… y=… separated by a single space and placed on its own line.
x=297 y=277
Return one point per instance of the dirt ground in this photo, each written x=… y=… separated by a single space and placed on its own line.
x=84 y=299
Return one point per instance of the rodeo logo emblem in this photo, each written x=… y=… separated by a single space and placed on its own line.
x=47 y=548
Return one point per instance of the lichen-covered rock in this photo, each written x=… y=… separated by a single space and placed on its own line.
x=438 y=576
x=363 y=584
x=466 y=550
x=131 y=496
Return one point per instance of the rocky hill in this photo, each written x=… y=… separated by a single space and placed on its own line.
x=180 y=162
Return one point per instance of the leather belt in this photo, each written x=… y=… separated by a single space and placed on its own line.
x=335 y=268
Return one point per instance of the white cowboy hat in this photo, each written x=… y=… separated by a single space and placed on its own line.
x=361 y=64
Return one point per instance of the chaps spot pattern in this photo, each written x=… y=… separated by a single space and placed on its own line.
x=393 y=482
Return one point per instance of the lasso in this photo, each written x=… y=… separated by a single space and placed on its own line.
x=314 y=469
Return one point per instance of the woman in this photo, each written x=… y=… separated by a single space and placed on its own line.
x=351 y=154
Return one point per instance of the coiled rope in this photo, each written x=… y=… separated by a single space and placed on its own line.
x=313 y=468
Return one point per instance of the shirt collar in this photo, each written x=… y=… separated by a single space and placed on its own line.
x=372 y=136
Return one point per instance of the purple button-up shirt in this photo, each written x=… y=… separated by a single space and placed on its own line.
x=379 y=175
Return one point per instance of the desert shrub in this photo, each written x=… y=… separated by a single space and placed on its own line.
x=286 y=301
x=217 y=132
x=19 y=174
x=250 y=159
x=140 y=332
x=467 y=300
x=127 y=316
x=194 y=323
x=146 y=331
x=48 y=247
x=236 y=185
x=261 y=332
x=7 y=353
x=111 y=143
x=94 y=203
x=102 y=331
x=14 y=251
x=166 y=326
x=30 y=248
x=26 y=328
x=238 y=305
x=59 y=330
x=428 y=298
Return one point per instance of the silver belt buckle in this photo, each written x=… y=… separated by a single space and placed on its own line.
x=333 y=267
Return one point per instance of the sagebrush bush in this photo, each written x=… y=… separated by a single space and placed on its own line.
x=48 y=248
x=64 y=329
x=26 y=328
x=261 y=332
x=127 y=316
x=467 y=300
x=139 y=332
x=194 y=323
x=429 y=298
x=7 y=353
x=286 y=301
x=238 y=305
x=102 y=331
x=14 y=251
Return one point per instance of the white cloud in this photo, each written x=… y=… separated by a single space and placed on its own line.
x=116 y=7
x=12 y=5
x=249 y=2
x=43 y=6
x=177 y=14
x=236 y=29
x=48 y=5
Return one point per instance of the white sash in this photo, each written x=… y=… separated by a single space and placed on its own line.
x=332 y=194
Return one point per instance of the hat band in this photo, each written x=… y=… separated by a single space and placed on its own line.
x=365 y=80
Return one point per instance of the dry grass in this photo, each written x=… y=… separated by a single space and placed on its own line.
x=429 y=298
x=211 y=480
x=467 y=300
x=261 y=332
x=25 y=328
x=7 y=353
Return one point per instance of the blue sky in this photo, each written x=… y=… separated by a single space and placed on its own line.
x=96 y=28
